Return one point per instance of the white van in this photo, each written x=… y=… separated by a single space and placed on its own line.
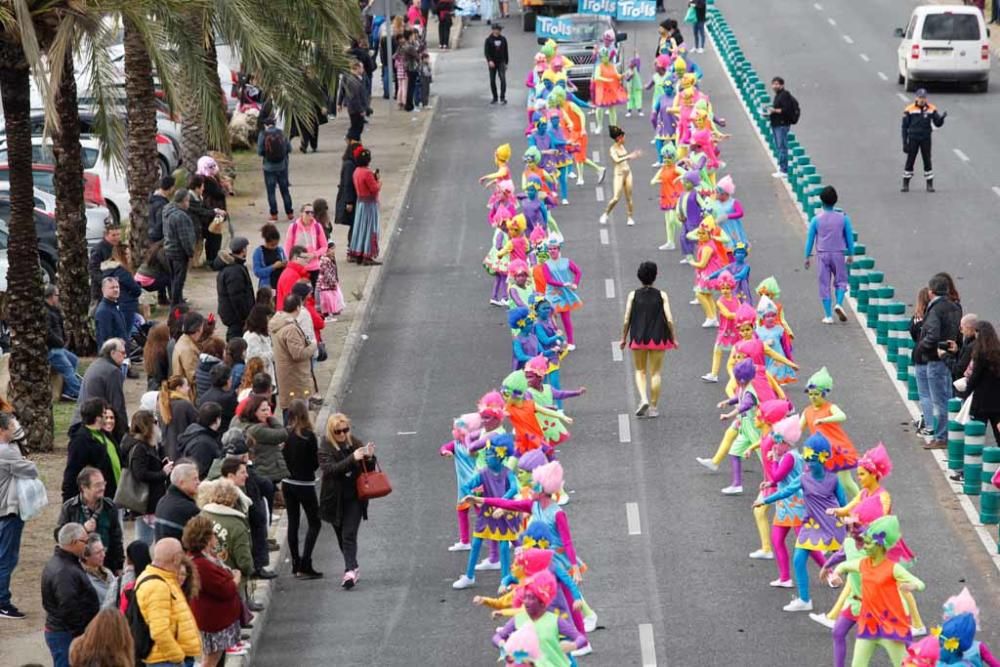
x=944 y=43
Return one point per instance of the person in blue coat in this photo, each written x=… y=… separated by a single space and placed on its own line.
x=109 y=321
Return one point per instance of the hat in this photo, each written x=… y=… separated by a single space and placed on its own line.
x=921 y=92
x=820 y=380
x=238 y=244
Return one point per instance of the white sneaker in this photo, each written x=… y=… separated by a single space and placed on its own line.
x=586 y=650
x=642 y=409
x=684 y=260
x=777 y=174
x=460 y=546
x=708 y=463
x=564 y=202
x=486 y=564
x=693 y=302
x=571 y=174
x=463 y=582
x=571 y=347
x=603 y=219
x=841 y=315
x=668 y=246
x=710 y=323
x=760 y=554
x=590 y=623
x=782 y=583
x=657 y=164
x=701 y=50
x=734 y=491
x=918 y=631
x=640 y=113
x=653 y=413
x=798 y=605
x=710 y=377
x=823 y=620
x=827 y=320
x=628 y=114
x=579 y=179
x=563 y=499
x=630 y=222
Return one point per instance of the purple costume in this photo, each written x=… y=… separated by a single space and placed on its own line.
x=489 y=526
x=831 y=234
x=528 y=344
x=692 y=215
x=543 y=142
x=820 y=531
x=534 y=214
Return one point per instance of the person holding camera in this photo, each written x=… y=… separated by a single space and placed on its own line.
x=938 y=330
x=919 y=120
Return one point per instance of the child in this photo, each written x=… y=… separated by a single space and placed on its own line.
x=633 y=86
x=331 y=299
x=426 y=76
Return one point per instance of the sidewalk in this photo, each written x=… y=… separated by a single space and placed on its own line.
x=395 y=139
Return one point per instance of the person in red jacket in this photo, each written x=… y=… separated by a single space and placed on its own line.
x=295 y=271
x=216 y=608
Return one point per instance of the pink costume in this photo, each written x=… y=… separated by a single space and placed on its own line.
x=753 y=349
x=465 y=430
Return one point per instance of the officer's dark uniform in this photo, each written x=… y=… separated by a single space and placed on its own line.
x=917 y=121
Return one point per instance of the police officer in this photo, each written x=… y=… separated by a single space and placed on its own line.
x=917 y=120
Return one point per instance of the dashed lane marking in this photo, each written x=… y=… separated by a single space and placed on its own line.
x=961 y=156
x=903 y=97
x=647 y=645
x=832 y=22
x=847 y=38
x=818 y=6
x=624 y=429
x=865 y=57
x=996 y=190
x=604 y=236
x=632 y=516
x=597 y=157
x=609 y=288
x=882 y=76
x=616 y=351
x=599 y=193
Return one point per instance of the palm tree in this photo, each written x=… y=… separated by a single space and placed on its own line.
x=141 y=154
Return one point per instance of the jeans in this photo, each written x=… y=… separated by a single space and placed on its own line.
x=347 y=533
x=277 y=179
x=144 y=532
x=357 y=126
x=65 y=362
x=301 y=497
x=58 y=643
x=699 y=34
x=178 y=276
x=188 y=662
x=385 y=81
x=501 y=71
x=941 y=390
x=780 y=133
x=11 y=527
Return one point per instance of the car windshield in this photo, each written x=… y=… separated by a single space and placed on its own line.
x=951 y=27
x=585 y=30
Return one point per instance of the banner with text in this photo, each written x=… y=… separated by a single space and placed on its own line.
x=602 y=7
x=635 y=10
x=553 y=28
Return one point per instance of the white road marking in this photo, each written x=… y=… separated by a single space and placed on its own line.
x=847 y=38
x=818 y=6
x=604 y=236
x=609 y=288
x=624 y=429
x=406 y=432
x=647 y=645
x=616 y=352
x=593 y=129
x=961 y=156
x=903 y=97
x=865 y=58
x=882 y=76
x=832 y=22
x=599 y=192
x=632 y=515
x=597 y=157
x=996 y=190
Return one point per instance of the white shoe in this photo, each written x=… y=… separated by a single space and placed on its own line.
x=630 y=222
x=919 y=631
x=760 y=554
x=603 y=219
x=564 y=202
x=628 y=114
x=684 y=260
x=734 y=491
x=642 y=409
x=710 y=323
x=460 y=546
x=798 y=605
x=708 y=463
x=693 y=302
x=668 y=246
x=579 y=179
x=590 y=623
x=777 y=174
x=571 y=347
x=571 y=174
x=710 y=377
x=841 y=315
x=701 y=50
x=653 y=413
x=462 y=583
x=485 y=564
x=782 y=583
x=586 y=650
x=640 y=113
x=657 y=164
x=827 y=320
x=823 y=620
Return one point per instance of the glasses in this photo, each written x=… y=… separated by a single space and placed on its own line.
x=342 y=431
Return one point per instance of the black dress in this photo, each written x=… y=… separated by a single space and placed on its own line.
x=648 y=328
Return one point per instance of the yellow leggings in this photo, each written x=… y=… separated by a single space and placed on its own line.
x=648 y=363
x=622 y=183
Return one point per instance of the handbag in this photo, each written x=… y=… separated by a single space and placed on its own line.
x=372 y=483
x=132 y=494
x=215 y=227
x=31 y=498
x=692 y=15
x=964 y=414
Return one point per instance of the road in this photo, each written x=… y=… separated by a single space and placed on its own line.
x=435 y=345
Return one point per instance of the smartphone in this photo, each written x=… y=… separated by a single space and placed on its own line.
x=942 y=345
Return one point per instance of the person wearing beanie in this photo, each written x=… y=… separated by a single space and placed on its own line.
x=234 y=287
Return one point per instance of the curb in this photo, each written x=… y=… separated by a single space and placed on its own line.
x=859 y=309
x=341 y=377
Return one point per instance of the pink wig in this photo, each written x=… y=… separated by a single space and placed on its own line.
x=775 y=410
x=725 y=279
x=963 y=603
x=924 y=653
x=538 y=235
x=876 y=461
x=466 y=424
x=752 y=349
x=537 y=365
x=745 y=314
x=542 y=586
x=789 y=428
x=549 y=477
x=517 y=266
x=491 y=405
x=522 y=645
x=533 y=561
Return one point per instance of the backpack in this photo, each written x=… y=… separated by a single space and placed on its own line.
x=137 y=623
x=796 y=112
x=275 y=146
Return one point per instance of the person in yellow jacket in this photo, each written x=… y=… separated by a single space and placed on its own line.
x=172 y=627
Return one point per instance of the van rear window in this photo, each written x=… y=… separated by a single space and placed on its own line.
x=952 y=27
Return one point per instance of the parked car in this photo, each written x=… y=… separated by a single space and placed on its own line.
x=586 y=30
x=944 y=43
x=46 y=201
x=535 y=8
x=48 y=245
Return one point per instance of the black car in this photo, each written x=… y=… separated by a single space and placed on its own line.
x=586 y=32
x=48 y=244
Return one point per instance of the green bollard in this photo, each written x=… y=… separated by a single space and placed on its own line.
x=972 y=467
x=956 y=444
x=989 y=498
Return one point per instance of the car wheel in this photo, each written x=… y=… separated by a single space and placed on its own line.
x=909 y=85
x=984 y=86
x=900 y=79
x=48 y=272
x=528 y=21
x=163 y=166
x=116 y=217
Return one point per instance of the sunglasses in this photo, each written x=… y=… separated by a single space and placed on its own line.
x=341 y=431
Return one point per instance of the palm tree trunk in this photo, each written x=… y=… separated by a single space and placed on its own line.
x=29 y=366
x=71 y=220
x=194 y=139
x=141 y=154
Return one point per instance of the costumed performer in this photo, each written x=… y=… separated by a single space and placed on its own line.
x=575 y=128
x=689 y=212
x=501 y=157
x=710 y=256
x=536 y=213
x=727 y=335
x=532 y=160
x=831 y=235
x=620 y=157
x=823 y=416
x=744 y=415
x=924 y=653
x=768 y=415
x=496 y=264
x=648 y=330
x=769 y=287
x=523 y=415
x=773 y=335
x=732 y=210
x=552 y=344
x=783 y=468
x=465 y=429
x=497 y=481
x=563 y=159
x=740 y=270
x=608 y=90
x=752 y=347
x=661 y=82
x=545 y=396
x=524 y=343
x=669 y=177
x=562 y=280
x=883 y=620
x=964 y=603
x=633 y=86
x=517 y=245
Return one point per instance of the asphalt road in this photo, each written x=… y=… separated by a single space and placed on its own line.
x=435 y=345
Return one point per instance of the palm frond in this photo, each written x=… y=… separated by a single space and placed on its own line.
x=107 y=93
